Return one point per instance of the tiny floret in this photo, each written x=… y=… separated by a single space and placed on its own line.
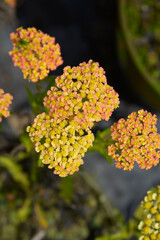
x=136 y=140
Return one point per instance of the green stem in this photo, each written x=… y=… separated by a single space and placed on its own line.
x=38 y=87
x=16 y=172
x=102 y=140
x=39 y=97
x=34 y=168
x=117 y=236
x=121 y=235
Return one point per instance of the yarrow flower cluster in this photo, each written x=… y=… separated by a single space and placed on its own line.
x=150 y=224
x=35 y=53
x=83 y=95
x=136 y=140
x=5 y=101
x=60 y=144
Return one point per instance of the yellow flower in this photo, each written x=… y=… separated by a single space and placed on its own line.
x=149 y=225
x=62 y=146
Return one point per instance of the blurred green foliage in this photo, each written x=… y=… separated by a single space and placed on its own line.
x=102 y=141
x=142 y=18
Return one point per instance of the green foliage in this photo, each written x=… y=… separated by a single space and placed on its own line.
x=40 y=216
x=32 y=100
x=21 y=156
x=16 y=171
x=51 y=83
x=40 y=164
x=142 y=21
x=25 y=139
x=36 y=101
x=102 y=141
x=116 y=236
x=125 y=231
x=22 y=213
x=50 y=79
x=23 y=43
x=66 y=189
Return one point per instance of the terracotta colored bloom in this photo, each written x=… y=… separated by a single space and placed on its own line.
x=150 y=224
x=84 y=95
x=136 y=140
x=61 y=145
x=35 y=53
x=5 y=101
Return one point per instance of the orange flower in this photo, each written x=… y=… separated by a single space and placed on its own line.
x=136 y=140
x=35 y=53
x=84 y=96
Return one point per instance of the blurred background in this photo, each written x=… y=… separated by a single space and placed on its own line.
x=88 y=29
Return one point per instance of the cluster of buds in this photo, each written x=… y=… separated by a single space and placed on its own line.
x=60 y=144
x=150 y=224
x=5 y=101
x=136 y=140
x=84 y=95
x=35 y=53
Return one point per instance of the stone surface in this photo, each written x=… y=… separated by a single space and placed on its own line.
x=124 y=188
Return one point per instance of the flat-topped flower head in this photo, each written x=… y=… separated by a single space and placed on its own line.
x=136 y=140
x=150 y=222
x=84 y=94
x=35 y=53
x=87 y=77
x=5 y=101
x=60 y=144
